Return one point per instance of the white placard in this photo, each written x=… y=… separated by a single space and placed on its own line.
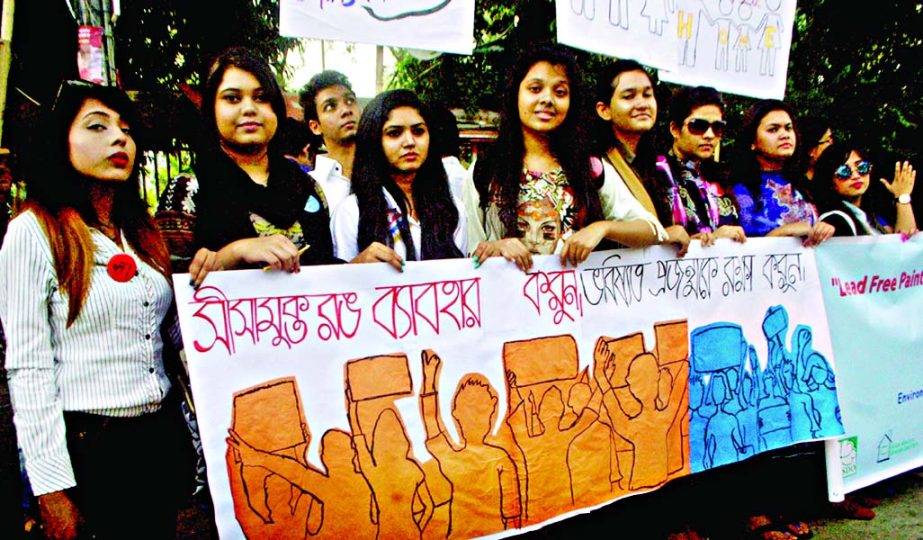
x=434 y=25
x=643 y=31
x=736 y=46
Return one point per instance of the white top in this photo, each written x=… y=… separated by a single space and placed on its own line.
x=456 y=173
x=344 y=227
x=107 y=362
x=328 y=173
x=618 y=204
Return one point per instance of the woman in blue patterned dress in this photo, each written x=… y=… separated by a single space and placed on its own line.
x=765 y=182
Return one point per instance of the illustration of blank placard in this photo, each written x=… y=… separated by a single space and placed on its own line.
x=672 y=341
x=379 y=376
x=716 y=347
x=625 y=349
x=541 y=360
x=775 y=322
x=269 y=416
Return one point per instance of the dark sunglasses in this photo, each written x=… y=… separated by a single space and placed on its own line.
x=844 y=171
x=69 y=85
x=699 y=126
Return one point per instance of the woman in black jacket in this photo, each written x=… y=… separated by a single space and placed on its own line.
x=251 y=206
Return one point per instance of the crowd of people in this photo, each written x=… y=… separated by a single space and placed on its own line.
x=85 y=295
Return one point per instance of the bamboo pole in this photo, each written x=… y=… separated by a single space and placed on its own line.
x=6 y=55
x=379 y=69
x=108 y=45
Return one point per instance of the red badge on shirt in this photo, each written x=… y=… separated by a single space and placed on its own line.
x=122 y=267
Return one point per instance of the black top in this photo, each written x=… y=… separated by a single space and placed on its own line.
x=847 y=223
x=229 y=206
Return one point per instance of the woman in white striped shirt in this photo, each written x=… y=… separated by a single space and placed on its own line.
x=83 y=294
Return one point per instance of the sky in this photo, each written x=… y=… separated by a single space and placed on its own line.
x=355 y=60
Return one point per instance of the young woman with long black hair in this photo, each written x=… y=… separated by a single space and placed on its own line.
x=401 y=208
x=538 y=191
x=247 y=205
x=766 y=183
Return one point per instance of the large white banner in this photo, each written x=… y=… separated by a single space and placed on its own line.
x=873 y=289
x=448 y=400
x=433 y=25
x=736 y=46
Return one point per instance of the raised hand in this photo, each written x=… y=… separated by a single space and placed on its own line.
x=432 y=366
x=904 y=178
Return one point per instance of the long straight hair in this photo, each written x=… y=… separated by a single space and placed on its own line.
x=431 y=196
x=569 y=143
x=59 y=196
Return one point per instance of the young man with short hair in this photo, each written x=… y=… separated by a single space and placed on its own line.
x=332 y=112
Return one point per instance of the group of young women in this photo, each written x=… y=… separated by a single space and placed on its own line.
x=85 y=295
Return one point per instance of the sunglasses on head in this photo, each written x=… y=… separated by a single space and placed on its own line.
x=67 y=86
x=844 y=171
x=699 y=126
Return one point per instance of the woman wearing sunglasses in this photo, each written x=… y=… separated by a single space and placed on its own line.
x=767 y=186
x=842 y=177
x=84 y=295
x=697 y=199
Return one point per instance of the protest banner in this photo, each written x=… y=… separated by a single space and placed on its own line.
x=448 y=400
x=642 y=31
x=736 y=46
x=431 y=25
x=873 y=291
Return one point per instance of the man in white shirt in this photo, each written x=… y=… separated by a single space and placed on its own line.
x=332 y=112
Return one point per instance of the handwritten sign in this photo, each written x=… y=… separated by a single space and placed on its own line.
x=736 y=46
x=643 y=31
x=448 y=400
x=433 y=25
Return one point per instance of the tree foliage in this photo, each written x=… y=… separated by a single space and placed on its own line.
x=860 y=68
x=472 y=82
x=160 y=44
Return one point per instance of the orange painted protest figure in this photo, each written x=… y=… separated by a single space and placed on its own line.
x=650 y=427
x=267 y=505
x=591 y=458
x=344 y=493
x=403 y=504
x=485 y=483
x=541 y=367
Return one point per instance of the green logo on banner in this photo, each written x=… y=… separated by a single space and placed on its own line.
x=849 y=455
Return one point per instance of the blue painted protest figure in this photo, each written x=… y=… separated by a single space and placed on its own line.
x=739 y=407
